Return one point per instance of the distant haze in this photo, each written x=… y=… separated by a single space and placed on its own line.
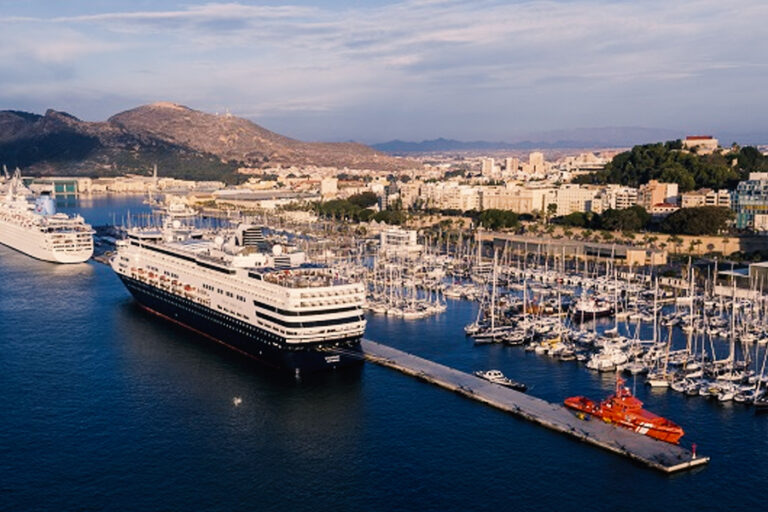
x=487 y=70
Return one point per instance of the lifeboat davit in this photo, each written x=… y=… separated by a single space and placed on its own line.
x=624 y=410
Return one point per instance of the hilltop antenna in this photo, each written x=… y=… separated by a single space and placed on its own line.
x=5 y=171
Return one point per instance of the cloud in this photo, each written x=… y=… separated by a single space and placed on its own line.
x=541 y=63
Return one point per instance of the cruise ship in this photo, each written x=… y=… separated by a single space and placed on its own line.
x=34 y=228
x=254 y=297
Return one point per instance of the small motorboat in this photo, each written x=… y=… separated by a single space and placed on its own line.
x=496 y=377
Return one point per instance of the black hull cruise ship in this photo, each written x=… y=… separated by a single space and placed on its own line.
x=269 y=305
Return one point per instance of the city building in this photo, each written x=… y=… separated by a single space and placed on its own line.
x=512 y=165
x=399 y=242
x=660 y=210
x=705 y=197
x=513 y=198
x=750 y=203
x=329 y=188
x=536 y=161
x=614 y=197
x=261 y=199
x=582 y=163
x=655 y=192
x=410 y=192
x=624 y=254
x=701 y=144
x=623 y=197
x=450 y=196
x=571 y=198
x=489 y=168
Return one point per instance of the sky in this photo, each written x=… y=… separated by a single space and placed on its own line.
x=372 y=71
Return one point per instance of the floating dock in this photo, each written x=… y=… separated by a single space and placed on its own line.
x=659 y=455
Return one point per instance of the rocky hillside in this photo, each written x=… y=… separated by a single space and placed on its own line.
x=183 y=142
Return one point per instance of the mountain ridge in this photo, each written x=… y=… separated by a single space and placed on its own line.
x=183 y=142
x=601 y=137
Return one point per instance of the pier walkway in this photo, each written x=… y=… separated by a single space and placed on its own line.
x=659 y=455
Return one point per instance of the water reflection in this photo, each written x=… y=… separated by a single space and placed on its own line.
x=320 y=414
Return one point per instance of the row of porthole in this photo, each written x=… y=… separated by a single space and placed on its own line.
x=152 y=291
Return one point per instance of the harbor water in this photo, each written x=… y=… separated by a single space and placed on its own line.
x=108 y=408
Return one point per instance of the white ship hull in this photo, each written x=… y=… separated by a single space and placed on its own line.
x=42 y=245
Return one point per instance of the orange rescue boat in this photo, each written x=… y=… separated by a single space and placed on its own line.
x=624 y=410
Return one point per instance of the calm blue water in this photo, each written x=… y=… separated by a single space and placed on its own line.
x=107 y=408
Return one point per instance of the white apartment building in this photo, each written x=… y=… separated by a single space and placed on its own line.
x=450 y=196
x=410 y=192
x=489 y=168
x=704 y=144
x=399 y=242
x=571 y=198
x=616 y=197
x=511 y=197
x=536 y=161
x=584 y=162
x=706 y=197
x=329 y=188
x=512 y=165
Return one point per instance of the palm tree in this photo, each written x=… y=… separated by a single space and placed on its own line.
x=677 y=241
x=693 y=244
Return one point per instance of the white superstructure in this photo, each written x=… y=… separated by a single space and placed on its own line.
x=34 y=228
x=269 y=304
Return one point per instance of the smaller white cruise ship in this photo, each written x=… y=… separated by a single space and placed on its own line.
x=34 y=228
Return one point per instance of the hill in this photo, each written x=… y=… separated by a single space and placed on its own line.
x=667 y=162
x=184 y=143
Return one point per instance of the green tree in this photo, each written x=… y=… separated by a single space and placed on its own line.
x=364 y=200
x=702 y=220
x=693 y=244
x=498 y=219
x=575 y=219
x=628 y=219
x=551 y=211
x=666 y=162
